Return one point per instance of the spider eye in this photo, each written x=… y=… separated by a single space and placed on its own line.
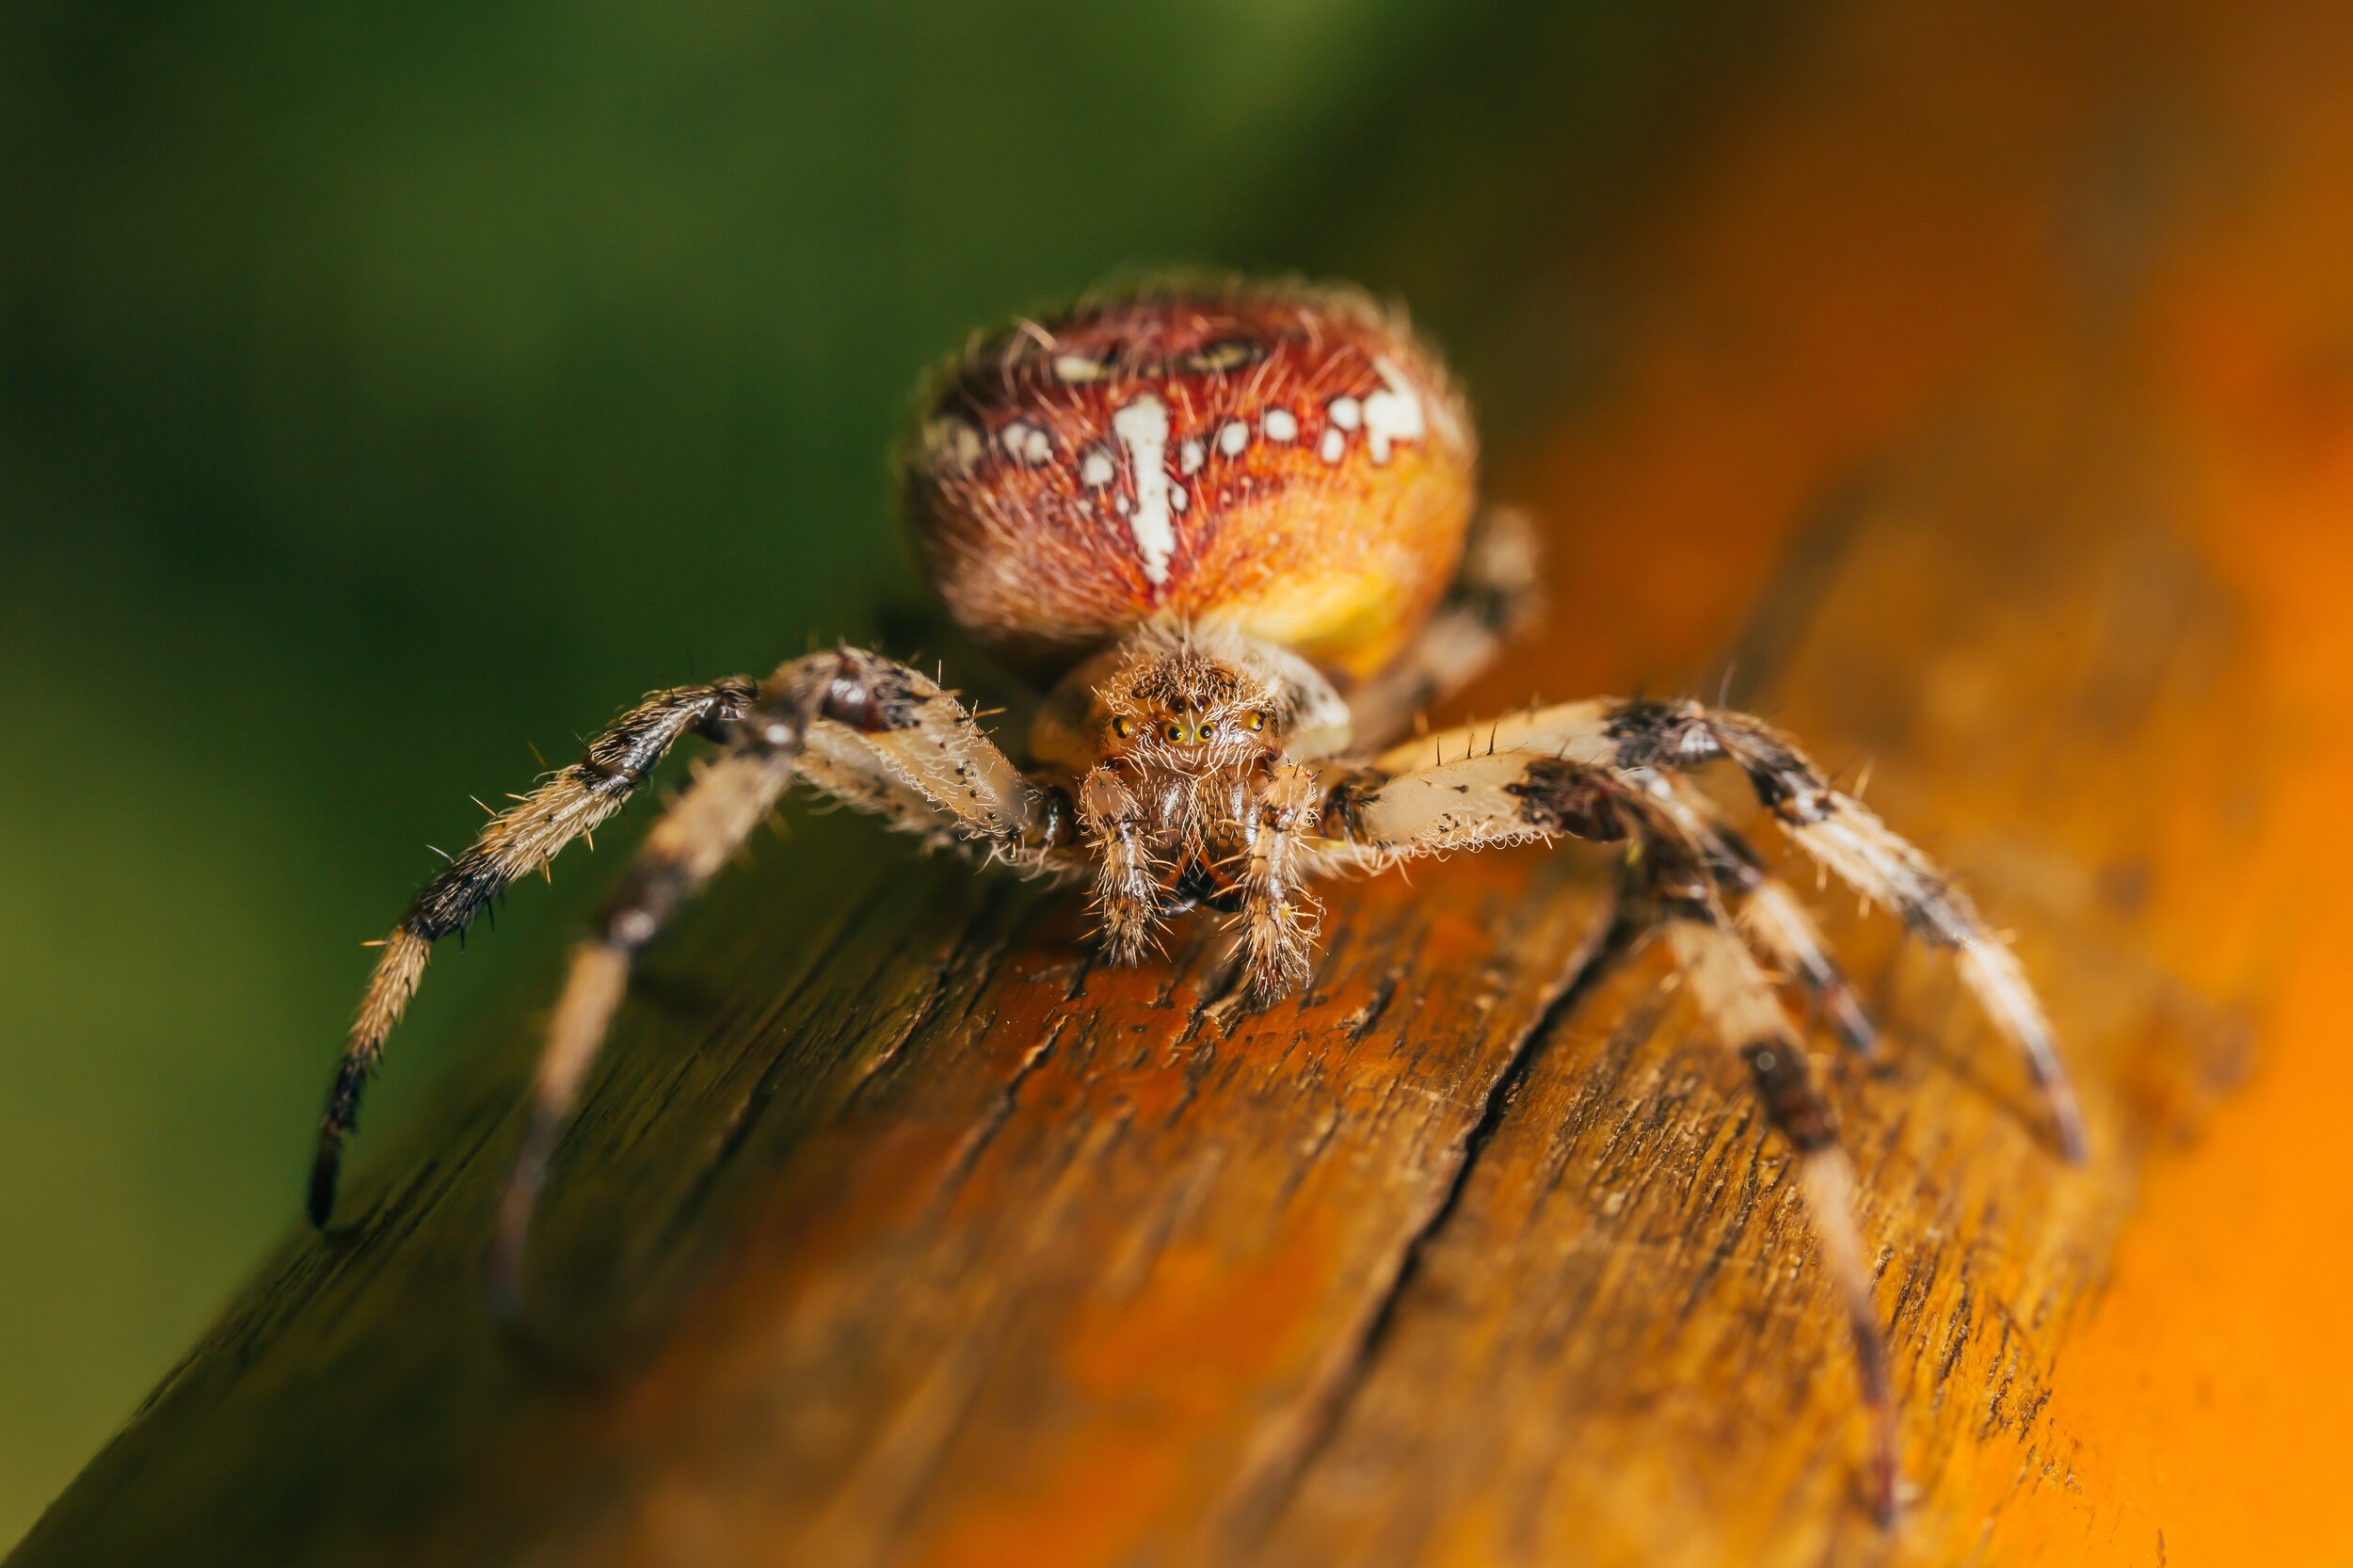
x=1123 y=728
x=1257 y=722
x=1176 y=732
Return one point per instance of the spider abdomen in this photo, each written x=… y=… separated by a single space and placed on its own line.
x=1292 y=464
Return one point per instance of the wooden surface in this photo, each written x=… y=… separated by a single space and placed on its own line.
x=896 y=1232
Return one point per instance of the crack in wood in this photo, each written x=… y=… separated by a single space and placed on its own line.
x=1268 y=1476
x=999 y=1112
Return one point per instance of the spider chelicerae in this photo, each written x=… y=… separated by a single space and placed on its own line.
x=1235 y=524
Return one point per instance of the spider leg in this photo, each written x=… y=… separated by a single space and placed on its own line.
x=876 y=734
x=1737 y=999
x=705 y=825
x=888 y=739
x=1505 y=797
x=516 y=842
x=1378 y=817
x=1278 y=915
x=1494 y=598
x=881 y=736
x=1843 y=835
x=1768 y=913
x=1837 y=831
x=1127 y=895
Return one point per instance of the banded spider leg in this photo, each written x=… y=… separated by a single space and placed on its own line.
x=875 y=734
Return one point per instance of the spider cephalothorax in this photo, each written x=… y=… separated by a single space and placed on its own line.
x=1174 y=735
x=1233 y=524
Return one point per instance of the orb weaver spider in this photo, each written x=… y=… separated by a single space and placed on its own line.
x=1235 y=523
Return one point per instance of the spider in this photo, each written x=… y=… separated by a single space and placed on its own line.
x=1233 y=524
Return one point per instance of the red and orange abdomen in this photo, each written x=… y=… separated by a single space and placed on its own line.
x=1290 y=463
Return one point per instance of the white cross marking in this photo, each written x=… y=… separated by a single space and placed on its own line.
x=1141 y=427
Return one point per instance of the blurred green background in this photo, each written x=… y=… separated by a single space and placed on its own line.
x=384 y=395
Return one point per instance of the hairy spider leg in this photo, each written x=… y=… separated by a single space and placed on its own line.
x=1768 y=913
x=1278 y=915
x=1837 y=831
x=519 y=840
x=870 y=732
x=1738 y=998
x=703 y=828
x=1127 y=899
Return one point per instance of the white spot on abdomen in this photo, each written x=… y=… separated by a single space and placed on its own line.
x=1141 y=427
x=1347 y=412
x=1232 y=437
x=1335 y=446
x=1027 y=443
x=1391 y=414
x=1097 y=468
x=1189 y=456
x=1280 y=425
